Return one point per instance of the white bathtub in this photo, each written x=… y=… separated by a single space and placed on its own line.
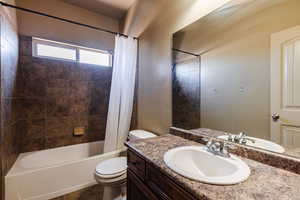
x=48 y=174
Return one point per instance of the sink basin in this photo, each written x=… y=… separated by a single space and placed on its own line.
x=261 y=143
x=198 y=164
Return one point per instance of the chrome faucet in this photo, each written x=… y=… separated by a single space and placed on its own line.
x=241 y=138
x=219 y=148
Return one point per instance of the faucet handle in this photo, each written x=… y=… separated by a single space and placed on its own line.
x=209 y=142
x=242 y=134
x=225 y=149
x=216 y=146
x=230 y=137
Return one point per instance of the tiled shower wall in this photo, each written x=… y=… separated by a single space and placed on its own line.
x=9 y=59
x=54 y=97
x=186 y=94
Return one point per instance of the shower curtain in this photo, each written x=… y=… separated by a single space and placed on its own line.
x=122 y=93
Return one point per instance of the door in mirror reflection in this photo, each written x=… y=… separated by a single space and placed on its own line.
x=285 y=87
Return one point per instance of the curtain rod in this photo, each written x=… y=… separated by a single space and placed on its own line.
x=186 y=52
x=63 y=19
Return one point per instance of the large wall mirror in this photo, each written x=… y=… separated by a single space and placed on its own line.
x=236 y=75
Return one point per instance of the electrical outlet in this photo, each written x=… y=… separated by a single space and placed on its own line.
x=79 y=131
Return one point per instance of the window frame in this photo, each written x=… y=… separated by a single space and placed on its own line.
x=36 y=41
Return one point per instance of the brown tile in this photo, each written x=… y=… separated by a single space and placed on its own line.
x=7 y=112
x=79 y=72
x=56 y=69
x=31 y=78
x=25 y=60
x=79 y=97
x=11 y=146
x=96 y=128
x=33 y=70
x=30 y=144
x=58 y=108
x=79 y=89
x=58 y=83
x=32 y=129
x=186 y=96
x=78 y=107
x=57 y=102
x=77 y=121
x=31 y=108
x=99 y=98
x=101 y=73
x=54 y=97
x=25 y=45
x=31 y=87
x=58 y=127
x=65 y=140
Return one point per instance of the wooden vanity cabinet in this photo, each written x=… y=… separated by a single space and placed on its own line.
x=146 y=182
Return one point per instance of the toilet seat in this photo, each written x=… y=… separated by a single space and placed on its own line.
x=112 y=168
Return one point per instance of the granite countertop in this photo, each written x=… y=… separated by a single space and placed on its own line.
x=264 y=183
x=291 y=151
x=208 y=132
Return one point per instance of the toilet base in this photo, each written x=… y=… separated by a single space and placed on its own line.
x=114 y=193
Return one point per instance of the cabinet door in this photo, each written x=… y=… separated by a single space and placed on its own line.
x=136 y=190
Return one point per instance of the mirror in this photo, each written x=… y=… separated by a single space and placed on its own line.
x=236 y=75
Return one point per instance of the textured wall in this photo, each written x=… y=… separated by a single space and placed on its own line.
x=9 y=56
x=155 y=76
x=44 y=27
x=56 y=96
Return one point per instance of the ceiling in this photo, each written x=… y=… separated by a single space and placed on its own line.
x=112 y=8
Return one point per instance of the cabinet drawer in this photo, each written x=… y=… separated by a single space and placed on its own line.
x=163 y=186
x=136 y=164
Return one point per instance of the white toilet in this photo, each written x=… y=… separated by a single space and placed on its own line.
x=111 y=173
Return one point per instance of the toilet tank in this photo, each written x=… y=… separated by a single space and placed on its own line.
x=140 y=134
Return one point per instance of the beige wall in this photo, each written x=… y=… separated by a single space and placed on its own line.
x=33 y=25
x=236 y=71
x=154 y=90
x=140 y=15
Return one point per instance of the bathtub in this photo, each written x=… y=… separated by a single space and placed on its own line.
x=51 y=173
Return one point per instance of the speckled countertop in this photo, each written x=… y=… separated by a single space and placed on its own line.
x=264 y=183
x=208 y=132
x=291 y=151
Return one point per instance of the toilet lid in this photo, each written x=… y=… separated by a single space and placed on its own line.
x=112 y=167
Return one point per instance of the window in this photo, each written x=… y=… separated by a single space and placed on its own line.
x=44 y=50
x=57 y=50
x=93 y=57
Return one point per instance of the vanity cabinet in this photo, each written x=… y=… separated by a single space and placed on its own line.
x=146 y=182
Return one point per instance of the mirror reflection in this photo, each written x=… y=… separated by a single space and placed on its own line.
x=241 y=81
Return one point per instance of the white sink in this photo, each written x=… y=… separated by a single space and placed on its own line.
x=198 y=164
x=261 y=143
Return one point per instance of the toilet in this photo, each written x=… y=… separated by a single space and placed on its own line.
x=112 y=174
